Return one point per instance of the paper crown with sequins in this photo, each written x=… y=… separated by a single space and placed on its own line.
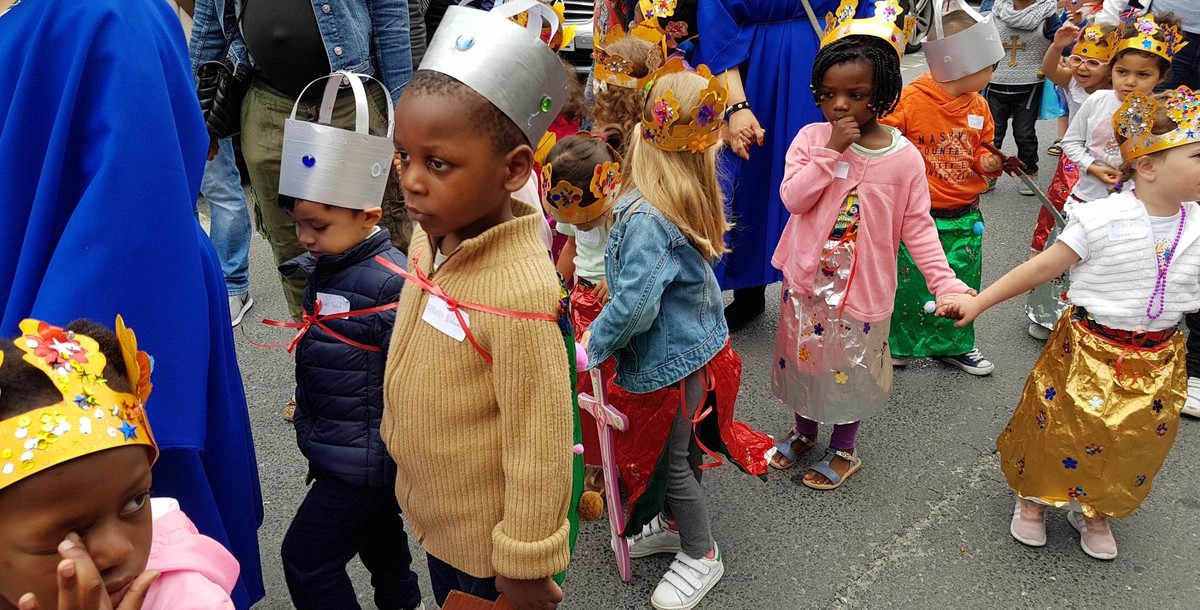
x=1144 y=33
x=882 y=24
x=564 y=201
x=507 y=64
x=554 y=29
x=617 y=70
x=1093 y=43
x=652 y=11
x=335 y=166
x=1134 y=120
x=91 y=417
x=672 y=128
x=964 y=53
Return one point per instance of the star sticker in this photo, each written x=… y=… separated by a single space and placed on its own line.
x=130 y=431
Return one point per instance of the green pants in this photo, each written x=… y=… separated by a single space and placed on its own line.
x=916 y=334
x=263 y=114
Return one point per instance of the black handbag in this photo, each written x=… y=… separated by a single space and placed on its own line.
x=221 y=86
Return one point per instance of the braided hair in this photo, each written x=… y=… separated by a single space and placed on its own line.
x=886 y=82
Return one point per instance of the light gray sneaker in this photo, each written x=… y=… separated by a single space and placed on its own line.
x=687 y=581
x=239 y=304
x=656 y=537
x=1191 y=406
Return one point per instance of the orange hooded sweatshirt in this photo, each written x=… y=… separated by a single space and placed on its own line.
x=948 y=130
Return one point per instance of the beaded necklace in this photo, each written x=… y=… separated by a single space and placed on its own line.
x=1160 y=282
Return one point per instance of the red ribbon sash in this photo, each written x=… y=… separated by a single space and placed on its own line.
x=316 y=319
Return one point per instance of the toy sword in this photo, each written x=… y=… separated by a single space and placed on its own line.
x=1014 y=167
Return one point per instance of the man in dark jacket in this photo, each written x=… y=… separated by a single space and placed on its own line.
x=349 y=307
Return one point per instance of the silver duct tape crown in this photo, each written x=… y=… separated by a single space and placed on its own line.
x=338 y=167
x=965 y=53
x=507 y=64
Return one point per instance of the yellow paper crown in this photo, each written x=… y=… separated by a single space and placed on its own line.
x=1095 y=44
x=617 y=70
x=1145 y=34
x=564 y=201
x=882 y=24
x=1134 y=120
x=657 y=8
x=558 y=37
x=663 y=129
x=653 y=10
x=92 y=417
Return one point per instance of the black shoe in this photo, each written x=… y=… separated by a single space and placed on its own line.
x=747 y=305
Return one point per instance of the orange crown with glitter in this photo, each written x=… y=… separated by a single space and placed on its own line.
x=1093 y=43
x=1134 y=120
x=617 y=70
x=842 y=23
x=91 y=417
x=1144 y=33
x=564 y=201
x=666 y=128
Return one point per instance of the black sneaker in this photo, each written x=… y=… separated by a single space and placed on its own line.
x=972 y=362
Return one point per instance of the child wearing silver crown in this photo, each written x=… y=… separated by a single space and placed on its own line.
x=332 y=184
x=478 y=387
x=1101 y=407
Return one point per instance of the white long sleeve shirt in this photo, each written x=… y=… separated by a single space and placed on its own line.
x=1090 y=139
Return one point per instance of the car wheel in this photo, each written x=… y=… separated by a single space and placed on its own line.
x=923 y=11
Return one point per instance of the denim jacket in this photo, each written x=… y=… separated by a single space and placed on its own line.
x=366 y=36
x=665 y=319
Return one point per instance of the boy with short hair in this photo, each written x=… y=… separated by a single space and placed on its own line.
x=943 y=114
x=332 y=186
x=478 y=387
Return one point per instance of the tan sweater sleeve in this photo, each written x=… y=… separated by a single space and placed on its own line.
x=533 y=392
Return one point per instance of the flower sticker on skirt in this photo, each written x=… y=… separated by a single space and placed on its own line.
x=1070 y=463
x=1096 y=402
x=804 y=354
x=1050 y=393
x=841 y=377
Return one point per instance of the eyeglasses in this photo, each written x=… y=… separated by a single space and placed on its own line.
x=1090 y=63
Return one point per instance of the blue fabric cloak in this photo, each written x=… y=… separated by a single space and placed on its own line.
x=103 y=148
x=774 y=44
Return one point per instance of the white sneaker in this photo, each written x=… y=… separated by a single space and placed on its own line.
x=1039 y=332
x=656 y=537
x=687 y=581
x=1191 y=406
x=899 y=363
x=239 y=304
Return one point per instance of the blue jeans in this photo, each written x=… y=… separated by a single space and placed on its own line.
x=444 y=578
x=335 y=522
x=222 y=187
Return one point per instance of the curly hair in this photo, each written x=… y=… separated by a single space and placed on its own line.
x=886 y=82
x=621 y=107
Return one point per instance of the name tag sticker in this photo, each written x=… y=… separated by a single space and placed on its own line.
x=842 y=170
x=975 y=121
x=1125 y=230
x=333 y=303
x=588 y=237
x=438 y=315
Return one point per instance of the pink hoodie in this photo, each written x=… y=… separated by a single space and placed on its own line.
x=197 y=573
x=894 y=204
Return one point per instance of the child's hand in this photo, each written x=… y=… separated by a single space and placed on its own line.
x=538 y=594
x=962 y=307
x=743 y=131
x=587 y=336
x=80 y=586
x=602 y=291
x=1065 y=35
x=1107 y=175
x=990 y=164
x=845 y=132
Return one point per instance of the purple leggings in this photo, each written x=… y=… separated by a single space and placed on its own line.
x=843 y=434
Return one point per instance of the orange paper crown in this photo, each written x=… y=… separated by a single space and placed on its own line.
x=559 y=35
x=663 y=129
x=1135 y=121
x=564 y=201
x=1145 y=34
x=1095 y=44
x=842 y=23
x=92 y=417
x=617 y=70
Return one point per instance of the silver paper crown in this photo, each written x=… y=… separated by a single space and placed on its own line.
x=338 y=167
x=965 y=53
x=507 y=64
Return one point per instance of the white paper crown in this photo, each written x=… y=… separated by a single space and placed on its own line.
x=334 y=166
x=967 y=52
x=507 y=64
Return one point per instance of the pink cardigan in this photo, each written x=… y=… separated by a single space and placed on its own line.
x=196 y=572
x=894 y=205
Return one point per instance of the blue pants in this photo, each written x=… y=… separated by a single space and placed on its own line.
x=335 y=522
x=444 y=578
x=230 y=233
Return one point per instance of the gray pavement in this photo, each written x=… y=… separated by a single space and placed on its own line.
x=924 y=524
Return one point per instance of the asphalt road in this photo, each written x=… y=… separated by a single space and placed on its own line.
x=924 y=524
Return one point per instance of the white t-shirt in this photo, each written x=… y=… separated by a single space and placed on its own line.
x=589 y=250
x=1090 y=139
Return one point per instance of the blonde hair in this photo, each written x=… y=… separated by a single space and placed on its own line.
x=682 y=185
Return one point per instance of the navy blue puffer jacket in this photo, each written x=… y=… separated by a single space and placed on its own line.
x=339 y=387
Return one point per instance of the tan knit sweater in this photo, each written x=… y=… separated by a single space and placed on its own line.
x=484 y=452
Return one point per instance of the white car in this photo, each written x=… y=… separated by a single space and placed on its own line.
x=581 y=14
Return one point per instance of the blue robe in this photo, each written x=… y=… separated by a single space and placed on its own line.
x=103 y=148
x=774 y=44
